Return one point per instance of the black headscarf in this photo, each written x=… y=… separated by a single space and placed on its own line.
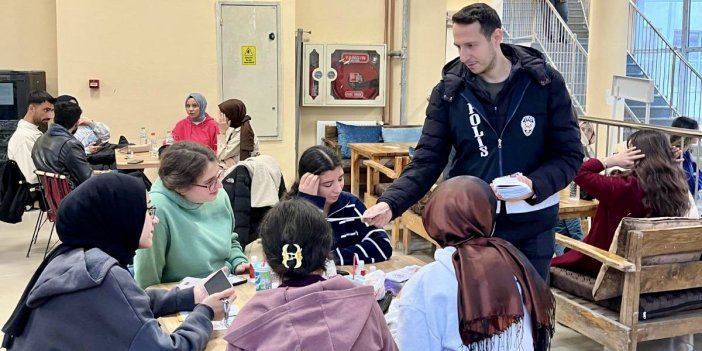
x=106 y=212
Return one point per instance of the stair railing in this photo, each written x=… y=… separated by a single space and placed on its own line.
x=679 y=84
x=537 y=21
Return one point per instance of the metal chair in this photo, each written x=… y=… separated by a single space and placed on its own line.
x=55 y=187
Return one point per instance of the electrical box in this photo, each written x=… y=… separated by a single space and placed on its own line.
x=344 y=75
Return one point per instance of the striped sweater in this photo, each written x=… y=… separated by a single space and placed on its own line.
x=353 y=237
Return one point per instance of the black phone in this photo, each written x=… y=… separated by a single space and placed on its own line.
x=340 y=272
x=218 y=282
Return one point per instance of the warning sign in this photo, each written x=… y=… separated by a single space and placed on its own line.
x=248 y=55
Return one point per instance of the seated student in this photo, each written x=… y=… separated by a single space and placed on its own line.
x=572 y=227
x=321 y=182
x=694 y=178
x=195 y=237
x=240 y=141
x=197 y=126
x=58 y=151
x=90 y=133
x=306 y=312
x=40 y=110
x=653 y=186
x=82 y=297
x=481 y=293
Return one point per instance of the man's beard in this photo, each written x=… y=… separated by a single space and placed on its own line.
x=43 y=126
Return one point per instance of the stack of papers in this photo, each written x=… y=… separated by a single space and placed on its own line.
x=509 y=187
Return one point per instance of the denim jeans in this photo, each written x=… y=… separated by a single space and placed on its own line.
x=571 y=228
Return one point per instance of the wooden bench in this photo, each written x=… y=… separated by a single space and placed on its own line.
x=648 y=256
x=374 y=169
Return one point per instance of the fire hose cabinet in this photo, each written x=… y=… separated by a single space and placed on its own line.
x=344 y=75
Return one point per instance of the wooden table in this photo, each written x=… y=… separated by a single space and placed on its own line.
x=375 y=152
x=246 y=292
x=579 y=208
x=149 y=161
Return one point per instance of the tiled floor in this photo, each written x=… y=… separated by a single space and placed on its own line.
x=15 y=271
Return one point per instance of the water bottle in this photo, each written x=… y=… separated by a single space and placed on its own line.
x=169 y=138
x=142 y=136
x=574 y=192
x=262 y=276
x=154 y=145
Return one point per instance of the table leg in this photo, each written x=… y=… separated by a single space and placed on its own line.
x=355 y=171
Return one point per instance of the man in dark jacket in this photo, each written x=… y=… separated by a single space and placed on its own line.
x=505 y=111
x=58 y=151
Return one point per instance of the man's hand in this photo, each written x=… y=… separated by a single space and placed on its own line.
x=94 y=147
x=378 y=215
x=309 y=184
x=522 y=179
x=678 y=155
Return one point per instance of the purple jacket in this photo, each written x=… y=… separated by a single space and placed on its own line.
x=334 y=314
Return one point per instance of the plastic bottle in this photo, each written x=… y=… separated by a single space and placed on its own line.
x=262 y=275
x=154 y=145
x=574 y=192
x=142 y=136
x=361 y=268
x=169 y=138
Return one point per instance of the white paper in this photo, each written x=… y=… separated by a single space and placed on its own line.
x=510 y=187
x=7 y=94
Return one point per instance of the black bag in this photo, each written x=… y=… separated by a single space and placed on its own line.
x=14 y=193
x=104 y=157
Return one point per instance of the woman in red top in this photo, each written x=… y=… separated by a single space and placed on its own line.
x=652 y=186
x=197 y=126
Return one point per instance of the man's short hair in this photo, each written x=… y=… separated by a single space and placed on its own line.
x=38 y=97
x=66 y=114
x=485 y=15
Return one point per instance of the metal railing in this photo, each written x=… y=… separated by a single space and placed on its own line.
x=678 y=83
x=617 y=131
x=537 y=22
x=586 y=10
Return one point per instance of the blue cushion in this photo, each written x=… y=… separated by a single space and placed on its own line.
x=401 y=135
x=356 y=134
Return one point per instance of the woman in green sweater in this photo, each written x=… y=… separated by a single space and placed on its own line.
x=195 y=236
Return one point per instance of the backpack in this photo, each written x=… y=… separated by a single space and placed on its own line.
x=14 y=193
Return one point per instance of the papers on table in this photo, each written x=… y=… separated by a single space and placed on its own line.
x=216 y=325
x=509 y=187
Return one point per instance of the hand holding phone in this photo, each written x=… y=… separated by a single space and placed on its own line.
x=217 y=282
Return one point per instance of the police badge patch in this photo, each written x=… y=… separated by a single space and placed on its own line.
x=528 y=124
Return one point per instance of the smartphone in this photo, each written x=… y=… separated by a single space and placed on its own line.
x=218 y=282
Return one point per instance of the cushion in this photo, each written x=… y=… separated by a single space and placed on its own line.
x=610 y=282
x=356 y=134
x=571 y=282
x=661 y=304
x=650 y=305
x=401 y=135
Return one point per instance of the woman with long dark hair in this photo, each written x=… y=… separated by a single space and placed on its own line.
x=652 y=185
x=321 y=182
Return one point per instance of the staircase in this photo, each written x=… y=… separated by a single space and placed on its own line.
x=661 y=111
x=577 y=22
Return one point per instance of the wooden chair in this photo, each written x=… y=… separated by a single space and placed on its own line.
x=412 y=223
x=650 y=257
x=370 y=198
x=55 y=188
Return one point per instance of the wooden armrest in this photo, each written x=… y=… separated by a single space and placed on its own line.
x=607 y=258
x=331 y=143
x=380 y=168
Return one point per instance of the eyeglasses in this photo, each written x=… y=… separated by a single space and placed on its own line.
x=152 y=211
x=212 y=184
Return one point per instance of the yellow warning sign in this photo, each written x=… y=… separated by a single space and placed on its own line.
x=248 y=55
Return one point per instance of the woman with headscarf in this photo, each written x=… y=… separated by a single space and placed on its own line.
x=481 y=293
x=82 y=296
x=197 y=126
x=240 y=141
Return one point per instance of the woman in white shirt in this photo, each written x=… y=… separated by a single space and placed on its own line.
x=481 y=293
